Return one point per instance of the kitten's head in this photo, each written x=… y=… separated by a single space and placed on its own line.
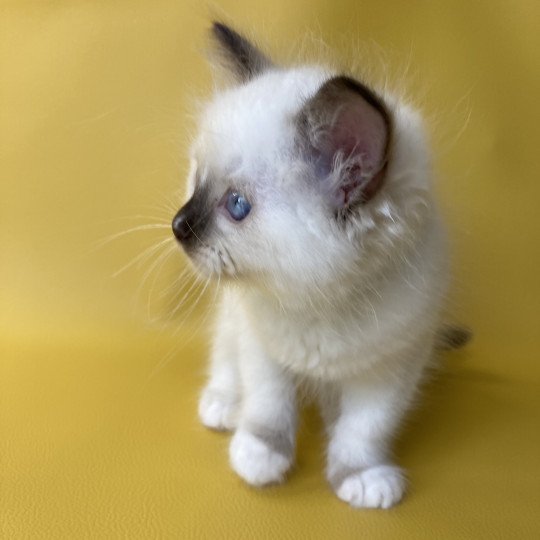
x=301 y=178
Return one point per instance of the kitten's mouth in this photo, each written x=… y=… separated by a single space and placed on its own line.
x=208 y=260
x=227 y=264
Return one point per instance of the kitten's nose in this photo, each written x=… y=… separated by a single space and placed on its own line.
x=181 y=227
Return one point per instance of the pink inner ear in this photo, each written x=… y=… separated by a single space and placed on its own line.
x=355 y=143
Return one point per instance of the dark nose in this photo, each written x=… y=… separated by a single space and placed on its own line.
x=181 y=227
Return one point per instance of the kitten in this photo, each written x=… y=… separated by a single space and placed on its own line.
x=310 y=199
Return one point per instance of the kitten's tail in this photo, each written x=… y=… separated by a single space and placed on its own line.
x=452 y=336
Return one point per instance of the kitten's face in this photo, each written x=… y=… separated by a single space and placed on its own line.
x=286 y=179
x=252 y=210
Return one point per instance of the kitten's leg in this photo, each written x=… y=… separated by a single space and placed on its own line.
x=367 y=415
x=220 y=400
x=262 y=449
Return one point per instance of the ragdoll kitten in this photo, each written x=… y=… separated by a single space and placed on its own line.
x=310 y=198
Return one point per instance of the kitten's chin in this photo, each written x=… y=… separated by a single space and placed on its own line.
x=203 y=268
x=211 y=264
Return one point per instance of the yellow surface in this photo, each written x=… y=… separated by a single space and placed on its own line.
x=98 y=431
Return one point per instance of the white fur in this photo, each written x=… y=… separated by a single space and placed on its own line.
x=351 y=308
x=255 y=462
x=377 y=487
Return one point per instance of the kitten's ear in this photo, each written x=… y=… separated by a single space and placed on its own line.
x=237 y=54
x=345 y=130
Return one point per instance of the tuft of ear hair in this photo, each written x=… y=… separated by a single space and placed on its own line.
x=345 y=130
x=238 y=55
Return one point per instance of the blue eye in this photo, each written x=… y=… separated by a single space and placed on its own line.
x=237 y=206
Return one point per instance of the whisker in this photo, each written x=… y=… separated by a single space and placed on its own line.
x=162 y=363
x=142 y=256
x=168 y=208
x=158 y=219
x=154 y=280
x=188 y=281
x=160 y=259
x=109 y=239
x=170 y=355
x=206 y=313
x=196 y=283
x=186 y=272
x=195 y=302
x=194 y=233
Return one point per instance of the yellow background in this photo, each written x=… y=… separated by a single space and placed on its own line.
x=98 y=391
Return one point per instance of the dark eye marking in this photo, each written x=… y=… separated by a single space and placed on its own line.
x=237 y=205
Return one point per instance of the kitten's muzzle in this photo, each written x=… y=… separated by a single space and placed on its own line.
x=191 y=221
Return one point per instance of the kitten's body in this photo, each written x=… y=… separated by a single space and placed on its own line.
x=343 y=294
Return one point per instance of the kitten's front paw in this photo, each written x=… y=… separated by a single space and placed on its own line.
x=377 y=487
x=217 y=410
x=255 y=461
